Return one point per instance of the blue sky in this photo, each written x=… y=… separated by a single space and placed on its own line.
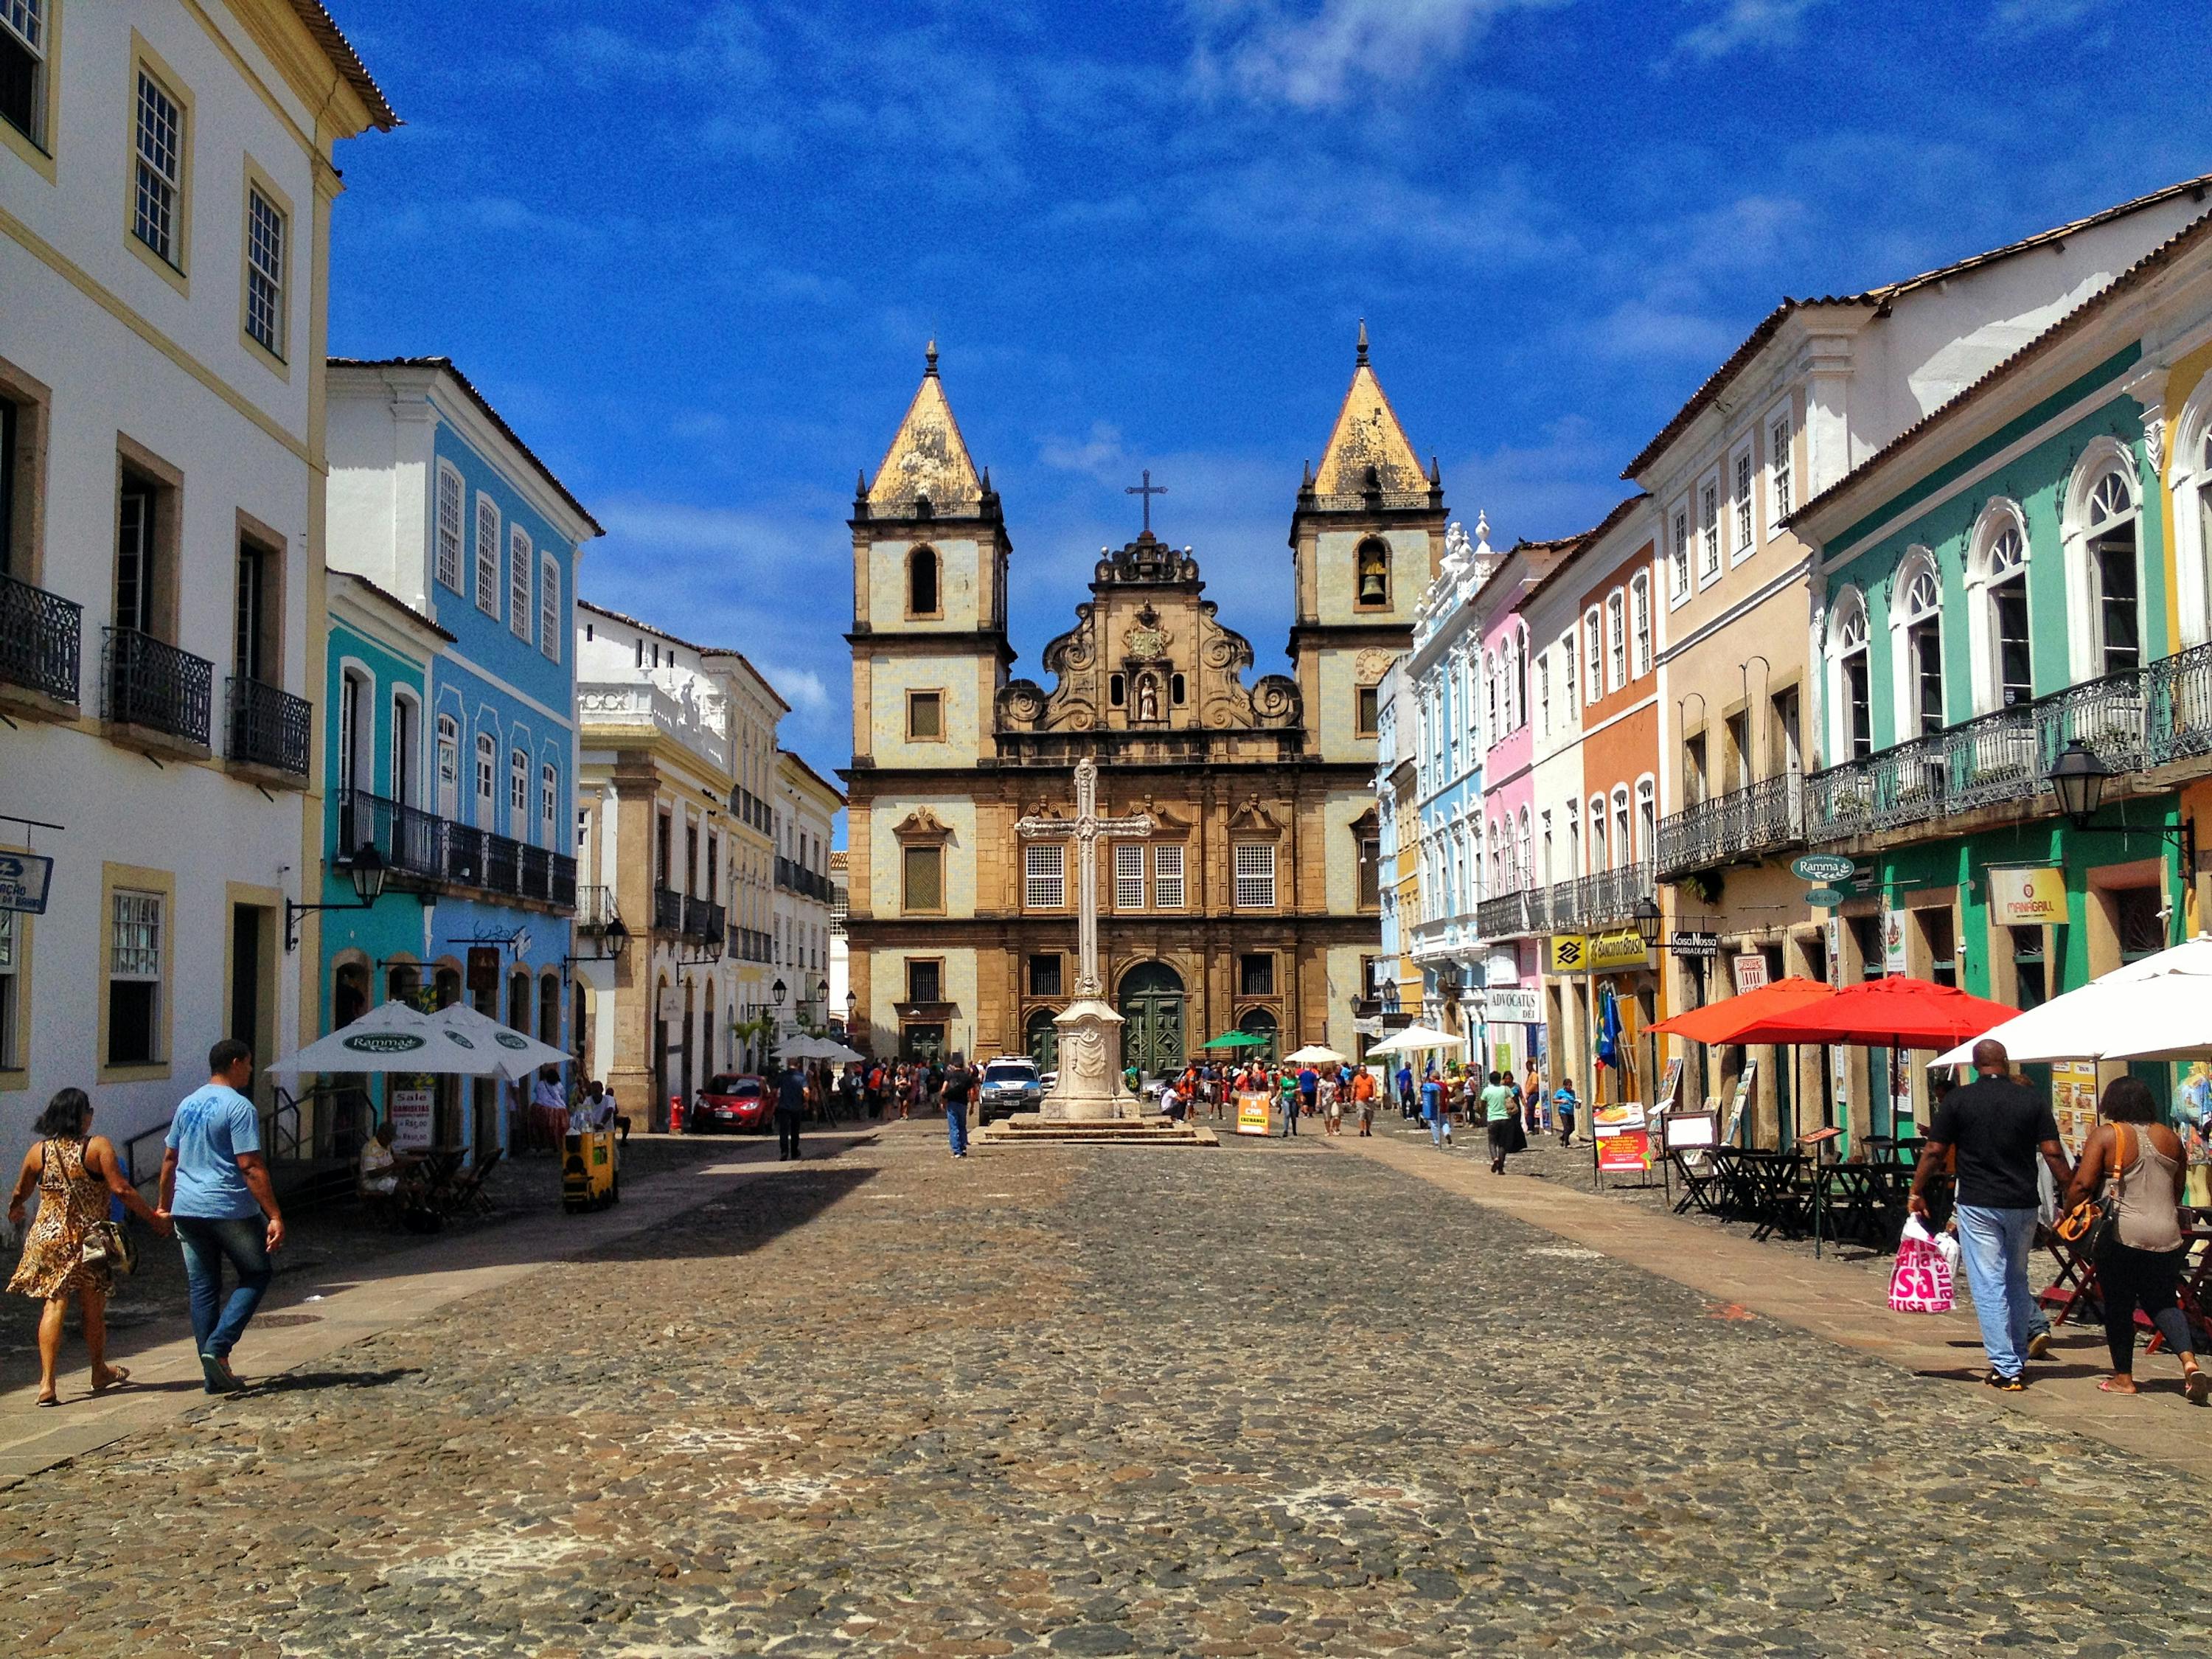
x=692 y=251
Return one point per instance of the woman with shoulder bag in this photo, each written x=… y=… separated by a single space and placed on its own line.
x=72 y=1249
x=2139 y=1253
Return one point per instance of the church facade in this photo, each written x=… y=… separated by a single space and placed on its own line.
x=1252 y=903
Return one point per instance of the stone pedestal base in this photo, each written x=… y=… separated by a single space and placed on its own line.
x=1090 y=1086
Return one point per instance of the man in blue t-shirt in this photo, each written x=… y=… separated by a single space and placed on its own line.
x=216 y=1187
x=791 y=1091
x=1433 y=1109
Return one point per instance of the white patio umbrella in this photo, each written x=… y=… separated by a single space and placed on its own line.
x=1415 y=1038
x=2159 y=1008
x=804 y=1047
x=1315 y=1053
x=397 y=1037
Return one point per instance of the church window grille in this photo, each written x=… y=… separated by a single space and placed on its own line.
x=922 y=870
x=925 y=716
x=1255 y=866
x=449 y=527
x=1045 y=877
x=1167 y=878
x=1369 y=710
x=487 y=556
x=1044 y=974
x=922 y=599
x=1129 y=876
x=1255 y=975
x=1374 y=574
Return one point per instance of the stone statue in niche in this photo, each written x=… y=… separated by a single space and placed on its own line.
x=1148 y=698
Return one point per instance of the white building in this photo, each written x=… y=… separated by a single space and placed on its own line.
x=807 y=808
x=166 y=176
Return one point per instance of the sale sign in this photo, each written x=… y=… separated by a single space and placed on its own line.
x=1630 y=1152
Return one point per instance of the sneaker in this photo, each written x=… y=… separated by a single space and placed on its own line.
x=221 y=1379
x=2039 y=1345
x=2197 y=1385
x=2004 y=1384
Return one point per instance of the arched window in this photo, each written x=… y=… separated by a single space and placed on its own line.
x=1574 y=840
x=1639 y=606
x=1599 y=859
x=921 y=571
x=1490 y=679
x=1850 y=690
x=1624 y=848
x=487 y=782
x=1647 y=819
x=356 y=733
x=2201 y=493
x=1917 y=635
x=449 y=767
x=2109 y=540
x=1996 y=580
x=1373 y=560
x=1616 y=640
x=1522 y=854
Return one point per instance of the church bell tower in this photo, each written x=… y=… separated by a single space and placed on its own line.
x=1366 y=537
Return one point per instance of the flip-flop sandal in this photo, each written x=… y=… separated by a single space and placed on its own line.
x=121 y=1374
x=2107 y=1386
x=48 y=1400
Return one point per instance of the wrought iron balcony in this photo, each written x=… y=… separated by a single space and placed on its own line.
x=423 y=846
x=39 y=636
x=667 y=910
x=1763 y=817
x=596 y=910
x=269 y=727
x=151 y=684
x=795 y=878
x=1510 y=915
x=2177 y=707
x=702 y=920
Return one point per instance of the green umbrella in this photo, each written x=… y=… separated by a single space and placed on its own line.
x=1237 y=1040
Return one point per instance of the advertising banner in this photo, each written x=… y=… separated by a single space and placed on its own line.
x=1892 y=941
x=1252 y=1113
x=410 y=1118
x=1569 y=953
x=1509 y=1004
x=1623 y=1137
x=2028 y=897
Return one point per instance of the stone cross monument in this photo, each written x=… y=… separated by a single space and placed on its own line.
x=1090 y=1085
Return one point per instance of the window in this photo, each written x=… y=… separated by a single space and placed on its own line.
x=1693 y=769
x=137 y=545
x=1854 y=696
x=1044 y=875
x=1647 y=819
x=1920 y=631
x=1678 y=554
x=1567 y=666
x=449 y=767
x=23 y=68
x=2004 y=575
x=160 y=170
x=404 y=738
x=1128 y=875
x=1597 y=843
x=1709 y=529
x=1781 y=483
x=1492 y=681
x=487 y=556
x=134 y=979
x=355 y=739
x=925 y=980
x=925 y=716
x=1117 y=689
x=1374 y=574
x=1593 y=657
x=1255 y=869
x=1255 y=975
x=1624 y=851
x=921 y=572
x=486 y=781
x=449 y=525
x=549 y=607
x=1740 y=504
x=518 y=794
x=1616 y=640
x=2110 y=527
x=1574 y=839
x=922 y=873
x=549 y=800
x=518 y=593
x=11 y=979
x=264 y=272
x=1167 y=877
x=252 y=647
x=1370 y=714
x=1044 y=974
x=1544 y=696
x=1639 y=606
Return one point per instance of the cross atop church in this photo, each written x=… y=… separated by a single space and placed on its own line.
x=1085 y=831
x=1148 y=489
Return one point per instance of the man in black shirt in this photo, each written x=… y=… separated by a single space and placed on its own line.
x=1998 y=1126
x=955 y=1091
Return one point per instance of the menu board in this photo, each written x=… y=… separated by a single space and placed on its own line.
x=2073 y=1102
x=1742 y=1104
x=410 y=1118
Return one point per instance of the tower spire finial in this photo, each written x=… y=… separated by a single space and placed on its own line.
x=1362 y=339
x=929 y=359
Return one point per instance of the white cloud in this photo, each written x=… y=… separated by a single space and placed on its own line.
x=1100 y=456
x=2044 y=16
x=1741 y=25
x=1316 y=57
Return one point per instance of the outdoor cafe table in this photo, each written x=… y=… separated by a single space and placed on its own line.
x=1767 y=1188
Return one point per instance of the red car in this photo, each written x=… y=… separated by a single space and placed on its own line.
x=732 y=1102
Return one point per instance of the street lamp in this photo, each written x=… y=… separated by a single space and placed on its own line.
x=2078 y=777
x=852 y=1008
x=779 y=991
x=822 y=991
x=1646 y=918
x=365 y=869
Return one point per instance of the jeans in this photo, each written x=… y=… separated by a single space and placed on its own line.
x=1290 y=1116
x=1994 y=1243
x=786 y=1134
x=956 y=1127
x=217 y=1328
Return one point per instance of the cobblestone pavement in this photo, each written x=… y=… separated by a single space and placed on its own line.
x=1260 y=1401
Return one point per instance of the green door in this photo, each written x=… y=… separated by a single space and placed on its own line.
x=1152 y=1004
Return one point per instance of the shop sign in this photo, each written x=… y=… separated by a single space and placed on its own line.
x=2073 y=1102
x=1707 y=945
x=2028 y=897
x=1503 y=967
x=410 y=1119
x=1623 y=1137
x=1824 y=868
x=1570 y=953
x=23 y=881
x=483 y=967
x=1892 y=941
x=1509 y=1004
x=1749 y=968
x=1252 y=1113
x=1622 y=948
x=1826 y=898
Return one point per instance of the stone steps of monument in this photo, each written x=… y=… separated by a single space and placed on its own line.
x=1125 y=1132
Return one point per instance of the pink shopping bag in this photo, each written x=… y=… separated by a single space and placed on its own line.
x=1921 y=1280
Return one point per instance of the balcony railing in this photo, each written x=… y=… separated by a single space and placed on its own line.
x=748 y=943
x=149 y=682
x=39 y=634
x=667 y=910
x=1749 y=822
x=795 y=878
x=2177 y=707
x=416 y=843
x=702 y=920
x=1510 y=915
x=269 y=727
x=596 y=910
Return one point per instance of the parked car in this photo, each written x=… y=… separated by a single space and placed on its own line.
x=1010 y=1085
x=730 y=1101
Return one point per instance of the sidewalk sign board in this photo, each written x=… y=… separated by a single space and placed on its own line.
x=1624 y=1139
x=410 y=1119
x=1252 y=1112
x=1742 y=1102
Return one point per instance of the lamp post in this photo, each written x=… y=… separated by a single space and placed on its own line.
x=2078 y=777
x=1647 y=919
x=365 y=869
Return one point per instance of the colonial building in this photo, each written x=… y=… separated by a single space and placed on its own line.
x=807 y=808
x=1253 y=900
x=167 y=174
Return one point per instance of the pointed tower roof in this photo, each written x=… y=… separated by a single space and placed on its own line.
x=928 y=459
x=1367 y=435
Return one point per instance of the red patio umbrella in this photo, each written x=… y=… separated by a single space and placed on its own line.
x=1885 y=1013
x=1724 y=1021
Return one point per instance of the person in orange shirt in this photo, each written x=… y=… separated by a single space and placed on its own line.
x=1363 y=1096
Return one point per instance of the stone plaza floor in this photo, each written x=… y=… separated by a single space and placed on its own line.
x=1266 y=1399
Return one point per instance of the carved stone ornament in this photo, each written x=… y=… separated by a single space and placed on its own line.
x=1146 y=639
x=1253 y=818
x=923 y=824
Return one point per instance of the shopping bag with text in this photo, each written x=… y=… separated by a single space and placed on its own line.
x=1921 y=1280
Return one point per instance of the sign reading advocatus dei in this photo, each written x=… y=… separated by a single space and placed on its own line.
x=1511 y=1005
x=23 y=881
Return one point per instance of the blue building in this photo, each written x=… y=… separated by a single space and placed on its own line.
x=462 y=774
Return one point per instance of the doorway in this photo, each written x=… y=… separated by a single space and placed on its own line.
x=1151 y=1002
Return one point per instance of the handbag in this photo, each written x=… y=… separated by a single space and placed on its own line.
x=107 y=1242
x=2090 y=1224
